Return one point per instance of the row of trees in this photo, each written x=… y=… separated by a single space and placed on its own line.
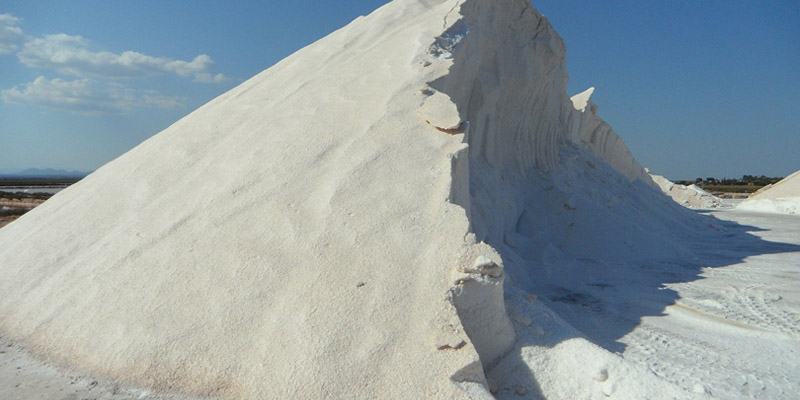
x=746 y=180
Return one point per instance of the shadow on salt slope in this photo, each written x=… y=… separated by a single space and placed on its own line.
x=603 y=301
x=595 y=249
x=609 y=301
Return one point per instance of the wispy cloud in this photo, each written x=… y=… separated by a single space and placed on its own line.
x=71 y=55
x=11 y=35
x=210 y=78
x=85 y=96
x=91 y=81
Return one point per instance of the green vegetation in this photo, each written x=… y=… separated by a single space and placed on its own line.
x=12 y=181
x=13 y=212
x=745 y=184
x=23 y=195
x=731 y=188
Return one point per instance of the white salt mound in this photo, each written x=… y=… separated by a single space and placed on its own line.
x=687 y=196
x=782 y=197
x=341 y=225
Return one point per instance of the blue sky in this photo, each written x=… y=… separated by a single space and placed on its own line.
x=696 y=88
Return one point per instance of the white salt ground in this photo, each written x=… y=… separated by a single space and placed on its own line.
x=729 y=330
x=735 y=330
x=24 y=377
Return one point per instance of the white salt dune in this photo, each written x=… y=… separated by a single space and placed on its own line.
x=688 y=196
x=353 y=223
x=782 y=197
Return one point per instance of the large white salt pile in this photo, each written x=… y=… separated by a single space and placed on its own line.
x=341 y=224
x=782 y=197
x=688 y=196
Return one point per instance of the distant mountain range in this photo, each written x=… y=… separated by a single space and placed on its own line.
x=43 y=173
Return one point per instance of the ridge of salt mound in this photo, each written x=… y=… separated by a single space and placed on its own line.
x=594 y=134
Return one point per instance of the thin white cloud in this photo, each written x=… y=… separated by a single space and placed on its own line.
x=71 y=55
x=11 y=35
x=97 y=88
x=85 y=96
x=210 y=78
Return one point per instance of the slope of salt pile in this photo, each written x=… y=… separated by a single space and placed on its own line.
x=591 y=132
x=341 y=224
x=782 y=197
x=688 y=196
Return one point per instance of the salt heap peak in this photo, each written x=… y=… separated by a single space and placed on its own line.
x=581 y=100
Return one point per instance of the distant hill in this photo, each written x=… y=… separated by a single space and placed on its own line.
x=45 y=173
